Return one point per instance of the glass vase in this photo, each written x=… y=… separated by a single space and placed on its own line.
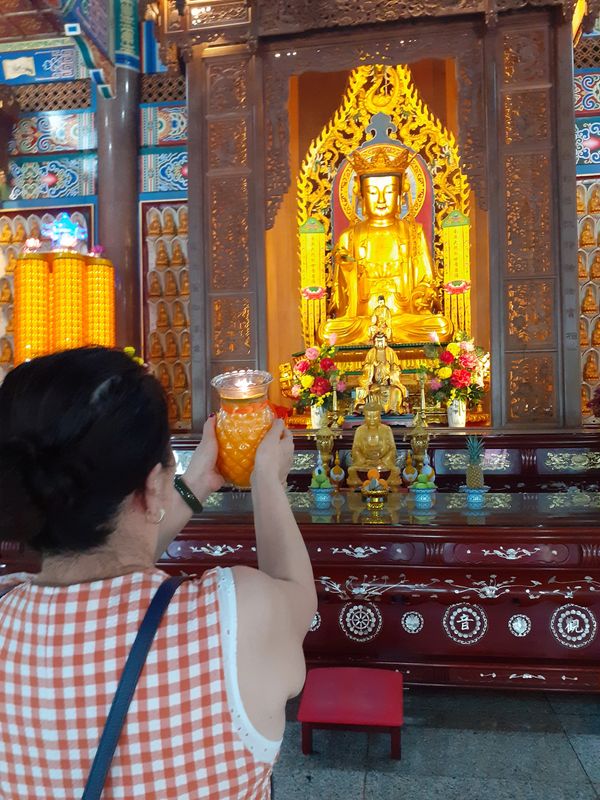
x=242 y=420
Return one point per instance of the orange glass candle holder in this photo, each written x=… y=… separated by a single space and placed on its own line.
x=242 y=420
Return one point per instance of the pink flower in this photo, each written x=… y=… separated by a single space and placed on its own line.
x=468 y=361
x=302 y=366
x=327 y=364
x=332 y=339
x=468 y=347
x=460 y=379
x=311 y=353
x=434 y=384
x=296 y=389
x=320 y=387
x=341 y=386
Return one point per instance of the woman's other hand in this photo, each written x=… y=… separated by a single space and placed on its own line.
x=202 y=475
x=275 y=454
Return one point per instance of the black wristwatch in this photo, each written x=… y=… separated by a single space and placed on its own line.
x=187 y=495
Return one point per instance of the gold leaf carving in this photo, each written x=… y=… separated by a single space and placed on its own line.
x=525 y=56
x=227 y=143
x=526 y=116
x=530 y=313
x=231 y=327
x=528 y=213
x=531 y=388
x=230 y=264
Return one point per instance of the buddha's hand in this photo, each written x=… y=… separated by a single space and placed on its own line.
x=275 y=454
x=202 y=475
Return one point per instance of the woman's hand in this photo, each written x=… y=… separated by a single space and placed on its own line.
x=202 y=475
x=275 y=454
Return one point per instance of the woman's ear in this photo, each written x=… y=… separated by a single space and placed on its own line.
x=154 y=489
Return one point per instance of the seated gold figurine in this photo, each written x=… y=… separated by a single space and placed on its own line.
x=180 y=380
x=595 y=269
x=164 y=377
x=186 y=346
x=581 y=267
x=373 y=447
x=6 y=235
x=5 y=292
x=162 y=256
x=585 y=399
x=169 y=227
x=34 y=230
x=590 y=369
x=594 y=204
x=6 y=353
x=179 y=317
x=587 y=237
x=595 y=334
x=154 y=287
x=381 y=320
x=10 y=325
x=183 y=221
x=184 y=282
x=584 y=339
x=20 y=233
x=581 y=199
x=156 y=349
x=172 y=409
x=171 y=349
x=589 y=305
x=162 y=315
x=171 y=289
x=154 y=226
x=178 y=257
x=186 y=402
x=381 y=380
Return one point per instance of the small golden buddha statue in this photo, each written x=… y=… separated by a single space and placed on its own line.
x=594 y=202
x=162 y=257
x=584 y=339
x=186 y=346
x=156 y=349
x=595 y=268
x=582 y=273
x=183 y=221
x=5 y=292
x=171 y=289
x=419 y=441
x=6 y=235
x=381 y=380
x=164 y=377
x=178 y=258
x=180 y=380
x=381 y=320
x=186 y=407
x=595 y=334
x=580 y=199
x=590 y=369
x=20 y=233
x=10 y=320
x=383 y=255
x=589 y=305
x=154 y=226
x=171 y=350
x=169 y=226
x=162 y=315
x=12 y=261
x=154 y=287
x=6 y=353
x=172 y=409
x=179 y=317
x=324 y=439
x=585 y=399
x=587 y=237
x=184 y=282
x=373 y=447
x=34 y=230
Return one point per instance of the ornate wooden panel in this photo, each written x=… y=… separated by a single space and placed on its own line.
x=531 y=388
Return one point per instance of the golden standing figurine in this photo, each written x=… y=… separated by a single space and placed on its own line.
x=381 y=380
x=383 y=255
x=373 y=447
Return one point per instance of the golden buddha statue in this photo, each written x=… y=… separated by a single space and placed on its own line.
x=172 y=409
x=171 y=349
x=183 y=221
x=589 y=305
x=169 y=227
x=156 y=349
x=154 y=226
x=186 y=407
x=162 y=315
x=587 y=237
x=154 y=287
x=580 y=199
x=595 y=334
x=178 y=257
x=162 y=257
x=381 y=320
x=590 y=369
x=582 y=273
x=584 y=339
x=179 y=317
x=10 y=326
x=186 y=345
x=6 y=235
x=419 y=441
x=34 y=230
x=594 y=202
x=595 y=268
x=184 y=282
x=373 y=447
x=20 y=233
x=171 y=289
x=585 y=399
x=383 y=255
x=6 y=353
x=381 y=380
x=5 y=292
x=164 y=377
x=12 y=261
x=180 y=380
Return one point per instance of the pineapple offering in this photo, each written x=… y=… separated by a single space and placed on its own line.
x=475 y=450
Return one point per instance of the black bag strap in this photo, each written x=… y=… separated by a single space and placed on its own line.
x=126 y=688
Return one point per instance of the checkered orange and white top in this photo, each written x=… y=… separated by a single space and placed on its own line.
x=186 y=736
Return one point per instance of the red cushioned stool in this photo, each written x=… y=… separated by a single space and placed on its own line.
x=352 y=698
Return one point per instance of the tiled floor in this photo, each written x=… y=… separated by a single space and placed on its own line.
x=456 y=746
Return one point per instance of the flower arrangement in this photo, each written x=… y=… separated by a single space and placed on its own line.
x=456 y=370
x=316 y=374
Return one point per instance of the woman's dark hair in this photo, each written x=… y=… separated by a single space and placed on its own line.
x=79 y=431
